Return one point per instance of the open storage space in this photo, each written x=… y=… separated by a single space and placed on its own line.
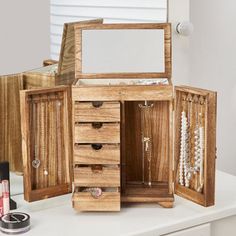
x=146 y=155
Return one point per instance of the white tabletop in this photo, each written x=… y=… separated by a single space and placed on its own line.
x=56 y=216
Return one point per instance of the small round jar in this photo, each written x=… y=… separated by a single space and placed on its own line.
x=15 y=223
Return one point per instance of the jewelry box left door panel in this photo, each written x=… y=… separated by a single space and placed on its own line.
x=195 y=144
x=46 y=142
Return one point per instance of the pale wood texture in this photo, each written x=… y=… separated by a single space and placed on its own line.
x=206 y=198
x=108 y=201
x=46 y=136
x=106 y=177
x=49 y=62
x=78 y=51
x=123 y=93
x=108 y=133
x=87 y=112
x=32 y=81
x=10 y=132
x=108 y=154
x=41 y=77
x=159 y=121
x=138 y=193
x=67 y=54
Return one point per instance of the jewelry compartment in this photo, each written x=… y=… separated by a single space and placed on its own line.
x=97 y=111
x=195 y=144
x=97 y=175
x=96 y=199
x=97 y=153
x=97 y=132
x=46 y=142
x=146 y=152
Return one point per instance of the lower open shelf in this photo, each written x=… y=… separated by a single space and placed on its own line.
x=157 y=193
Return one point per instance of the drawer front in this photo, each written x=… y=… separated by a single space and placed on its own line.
x=108 y=201
x=89 y=133
x=106 y=177
x=97 y=112
x=97 y=154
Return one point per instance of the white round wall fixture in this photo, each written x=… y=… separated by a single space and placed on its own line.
x=184 y=28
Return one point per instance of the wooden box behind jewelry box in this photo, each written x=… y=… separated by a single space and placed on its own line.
x=106 y=120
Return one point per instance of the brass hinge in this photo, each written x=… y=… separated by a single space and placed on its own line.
x=216 y=153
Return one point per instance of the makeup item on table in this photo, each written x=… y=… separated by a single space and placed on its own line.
x=1 y=200
x=15 y=223
x=5 y=175
x=5 y=196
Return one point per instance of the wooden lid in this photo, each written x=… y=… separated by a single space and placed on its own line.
x=123 y=51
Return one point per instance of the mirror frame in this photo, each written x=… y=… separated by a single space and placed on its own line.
x=168 y=55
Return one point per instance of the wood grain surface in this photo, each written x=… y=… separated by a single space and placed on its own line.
x=159 y=121
x=67 y=54
x=106 y=177
x=10 y=131
x=87 y=112
x=86 y=154
x=123 y=93
x=46 y=136
x=108 y=133
x=108 y=201
x=207 y=197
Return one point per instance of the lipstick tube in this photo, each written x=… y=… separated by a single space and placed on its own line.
x=1 y=200
x=5 y=196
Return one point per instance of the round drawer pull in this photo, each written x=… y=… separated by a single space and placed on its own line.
x=97 y=169
x=96 y=146
x=97 y=125
x=97 y=104
x=96 y=192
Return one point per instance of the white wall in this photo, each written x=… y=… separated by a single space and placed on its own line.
x=179 y=11
x=24 y=34
x=213 y=66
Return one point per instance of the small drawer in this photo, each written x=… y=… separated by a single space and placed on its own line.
x=97 y=154
x=107 y=201
x=97 y=176
x=97 y=112
x=97 y=133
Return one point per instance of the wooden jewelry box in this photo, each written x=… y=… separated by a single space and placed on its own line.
x=134 y=136
x=127 y=124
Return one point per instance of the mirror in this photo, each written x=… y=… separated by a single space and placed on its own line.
x=123 y=51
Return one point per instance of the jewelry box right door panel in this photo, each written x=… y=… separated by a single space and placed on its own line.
x=195 y=144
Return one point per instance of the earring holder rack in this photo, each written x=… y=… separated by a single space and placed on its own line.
x=47 y=150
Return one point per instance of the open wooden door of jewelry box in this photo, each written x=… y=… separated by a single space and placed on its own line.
x=46 y=142
x=195 y=144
